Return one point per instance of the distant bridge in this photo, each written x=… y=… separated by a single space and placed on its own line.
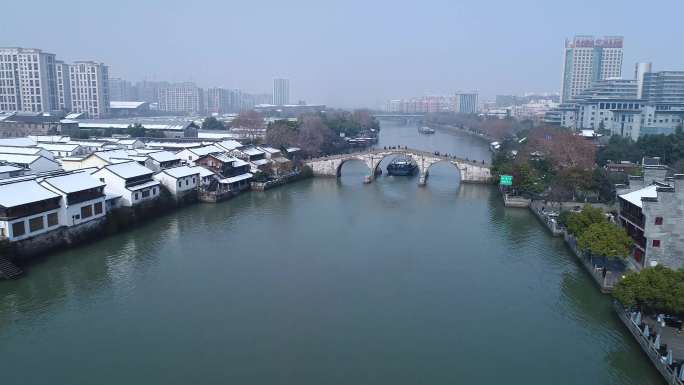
x=470 y=171
x=399 y=116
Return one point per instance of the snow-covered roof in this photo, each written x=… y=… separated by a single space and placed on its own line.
x=260 y=162
x=127 y=141
x=128 y=170
x=20 y=158
x=252 y=151
x=59 y=146
x=17 y=142
x=203 y=171
x=236 y=178
x=147 y=126
x=239 y=163
x=8 y=168
x=215 y=135
x=181 y=171
x=75 y=182
x=24 y=192
x=229 y=144
x=173 y=144
x=124 y=104
x=293 y=149
x=200 y=151
x=634 y=197
x=225 y=158
x=270 y=150
x=163 y=156
x=108 y=155
x=20 y=150
x=143 y=185
x=50 y=138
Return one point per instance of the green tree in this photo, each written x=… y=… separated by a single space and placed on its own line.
x=578 y=222
x=654 y=289
x=211 y=123
x=605 y=239
x=136 y=130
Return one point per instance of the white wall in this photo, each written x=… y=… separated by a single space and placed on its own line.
x=7 y=226
x=180 y=185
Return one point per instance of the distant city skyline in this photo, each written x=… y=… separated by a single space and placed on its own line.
x=353 y=58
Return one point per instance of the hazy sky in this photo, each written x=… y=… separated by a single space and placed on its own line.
x=344 y=53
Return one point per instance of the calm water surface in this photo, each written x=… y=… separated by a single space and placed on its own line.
x=322 y=282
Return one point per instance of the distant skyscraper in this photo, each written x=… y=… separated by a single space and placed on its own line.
x=181 y=97
x=587 y=59
x=281 y=92
x=89 y=83
x=27 y=80
x=63 y=86
x=466 y=102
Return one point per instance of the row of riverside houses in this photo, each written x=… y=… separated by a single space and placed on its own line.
x=69 y=191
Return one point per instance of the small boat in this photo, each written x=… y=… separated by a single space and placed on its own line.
x=426 y=130
x=402 y=166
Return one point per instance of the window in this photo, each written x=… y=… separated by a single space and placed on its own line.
x=98 y=208
x=656 y=243
x=86 y=211
x=145 y=193
x=658 y=220
x=180 y=183
x=18 y=229
x=135 y=196
x=52 y=219
x=36 y=223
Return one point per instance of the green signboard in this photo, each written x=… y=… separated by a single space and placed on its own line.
x=506 y=180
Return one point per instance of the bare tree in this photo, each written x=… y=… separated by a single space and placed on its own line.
x=250 y=121
x=281 y=134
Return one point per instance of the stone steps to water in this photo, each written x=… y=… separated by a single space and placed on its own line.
x=8 y=270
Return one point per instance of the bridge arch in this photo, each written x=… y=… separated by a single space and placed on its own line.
x=453 y=163
x=338 y=170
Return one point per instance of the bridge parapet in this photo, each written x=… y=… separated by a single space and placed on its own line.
x=470 y=172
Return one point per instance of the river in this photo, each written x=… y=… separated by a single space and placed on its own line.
x=323 y=281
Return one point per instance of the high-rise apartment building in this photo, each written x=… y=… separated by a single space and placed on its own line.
x=63 y=86
x=122 y=90
x=466 y=102
x=148 y=91
x=281 y=92
x=27 y=80
x=218 y=100
x=586 y=60
x=89 y=83
x=181 y=98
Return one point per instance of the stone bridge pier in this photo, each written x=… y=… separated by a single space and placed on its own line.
x=470 y=172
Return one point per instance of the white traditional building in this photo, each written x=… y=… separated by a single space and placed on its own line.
x=131 y=181
x=83 y=197
x=159 y=160
x=27 y=209
x=61 y=150
x=179 y=181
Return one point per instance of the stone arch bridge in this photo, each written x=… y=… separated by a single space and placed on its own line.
x=470 y=171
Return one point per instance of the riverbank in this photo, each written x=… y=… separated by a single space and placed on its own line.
x=15 y=257
x=447 y=127
x=605 y=275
